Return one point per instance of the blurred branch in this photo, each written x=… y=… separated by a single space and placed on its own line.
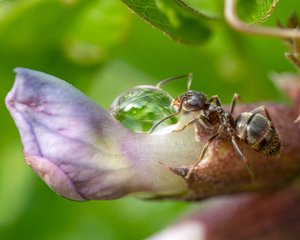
x=247 y=216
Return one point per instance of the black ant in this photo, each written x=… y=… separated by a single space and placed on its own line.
x=252 y=127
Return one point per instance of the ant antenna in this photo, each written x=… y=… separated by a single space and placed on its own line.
x=189 y=83
x=168 y=117
x=188 y=75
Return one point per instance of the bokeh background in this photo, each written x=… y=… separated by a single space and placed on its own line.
x=103 y=49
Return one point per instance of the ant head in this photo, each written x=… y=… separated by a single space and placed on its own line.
x=192 y=101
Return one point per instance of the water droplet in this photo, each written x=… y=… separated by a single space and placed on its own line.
x=141 y=107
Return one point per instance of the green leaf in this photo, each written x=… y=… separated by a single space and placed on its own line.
x=255 y=11
x=209 y=8
x=175 y=18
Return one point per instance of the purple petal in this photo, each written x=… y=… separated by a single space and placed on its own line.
x=49 y=114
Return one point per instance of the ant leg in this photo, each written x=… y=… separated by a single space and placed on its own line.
x=210 y=140
x=205 y=121
x=165 y=118
x=215 y=99
x=238 y=150
x=188 y=75
x=186 y=125
x=262 y=109
x=233 y=102
x=162 y=120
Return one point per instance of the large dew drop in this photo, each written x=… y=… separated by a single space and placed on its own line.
x=141 y=107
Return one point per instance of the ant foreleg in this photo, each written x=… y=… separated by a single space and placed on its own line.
x=238 y=150
x=210 y=140
x=186 y=125
x=162 y=120
x=204 y=123
x=165 y=118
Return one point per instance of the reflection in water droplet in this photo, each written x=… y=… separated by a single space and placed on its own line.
x=141 y=107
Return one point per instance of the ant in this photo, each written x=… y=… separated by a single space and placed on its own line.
x=251 y=127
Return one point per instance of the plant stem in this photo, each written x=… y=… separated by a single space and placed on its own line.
x=234 y=21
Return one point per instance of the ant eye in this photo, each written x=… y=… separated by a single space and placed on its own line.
x=194 y=101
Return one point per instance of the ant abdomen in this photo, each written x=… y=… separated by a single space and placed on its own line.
x=259 y=132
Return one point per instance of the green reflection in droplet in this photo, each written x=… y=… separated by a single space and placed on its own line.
x=141 y=107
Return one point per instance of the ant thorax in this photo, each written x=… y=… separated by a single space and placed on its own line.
x=214 y=113
x=219 y=119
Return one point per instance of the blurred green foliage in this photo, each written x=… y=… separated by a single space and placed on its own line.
x=103 y=49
